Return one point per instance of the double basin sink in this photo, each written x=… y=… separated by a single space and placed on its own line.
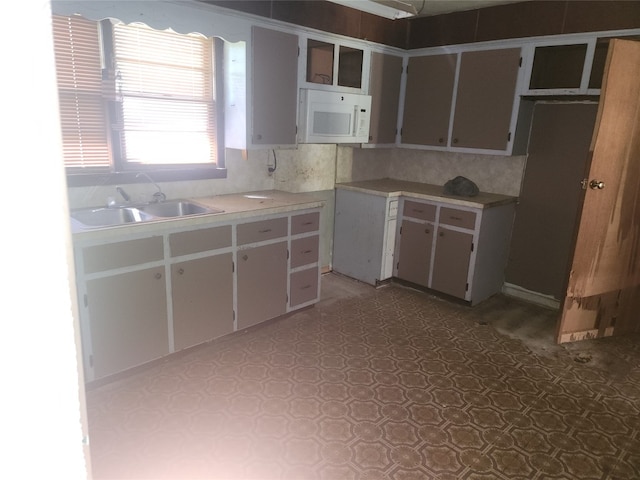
x=128 y=214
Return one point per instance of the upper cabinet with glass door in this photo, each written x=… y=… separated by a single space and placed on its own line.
x=564 y=67
x=334 y=65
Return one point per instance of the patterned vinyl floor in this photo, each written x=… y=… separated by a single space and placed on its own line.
x=383 y=383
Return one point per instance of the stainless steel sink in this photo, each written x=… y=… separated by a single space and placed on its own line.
x=122 y=215
x=177 y=208
x=105 y=217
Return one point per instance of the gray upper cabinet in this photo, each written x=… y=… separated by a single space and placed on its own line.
x=484 y=103
x=428 y=97
x=274 y=87
x=385 y=78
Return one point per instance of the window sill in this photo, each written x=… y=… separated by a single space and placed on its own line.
x=158 y=175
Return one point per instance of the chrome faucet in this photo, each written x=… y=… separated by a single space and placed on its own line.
x=124 y=194
x=158 y=196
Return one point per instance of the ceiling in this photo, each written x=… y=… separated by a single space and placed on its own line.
x=424 y=8
x=437 y=7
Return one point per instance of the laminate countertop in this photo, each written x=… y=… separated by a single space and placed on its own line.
x=234 y=207
x=388 y=187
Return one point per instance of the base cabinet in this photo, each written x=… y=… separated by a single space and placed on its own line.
x=364 y=235
x=202 y=294
x=414 y=252
x=142 y=298
x=262 y=283
x=451 y=262
x=128 y=315
x=459 y=251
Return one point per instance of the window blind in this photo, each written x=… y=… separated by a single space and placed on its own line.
x=79 y=76
x=164 y=81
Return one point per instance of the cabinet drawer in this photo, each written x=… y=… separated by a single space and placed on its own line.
x=254 y=232
x=304 y=286
x=194 y=241
x=458 y=218
x=307 y=222
x=122 y=254
x=304 y=251
x=422 y=211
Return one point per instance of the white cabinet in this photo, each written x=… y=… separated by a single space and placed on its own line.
x=384 y=88
x=262 y=270
x=364 y=235
x=201 y=285
x=457 y=250
x=144 y=298
x=463 y=100
x=274 y=87
x=124 y=297
x=304 y=267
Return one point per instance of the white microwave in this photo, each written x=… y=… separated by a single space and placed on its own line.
x=332 y=117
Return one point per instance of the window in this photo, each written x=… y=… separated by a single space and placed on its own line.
x=133 y=98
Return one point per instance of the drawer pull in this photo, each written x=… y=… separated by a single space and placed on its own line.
x=306 y=251
x=158 y=276
x=264 y=231
x=455 y=218
x=307 y=223
x=181 y=271
x=305 y=287
x=418 y=210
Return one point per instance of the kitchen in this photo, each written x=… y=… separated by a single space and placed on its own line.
x=323 y=166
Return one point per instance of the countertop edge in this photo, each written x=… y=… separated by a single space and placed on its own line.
x=294 y=203
x=412 y=193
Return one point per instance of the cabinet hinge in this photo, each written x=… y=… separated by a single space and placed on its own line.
x=400 y=230
x=509 y=137
x=233 y=267
x=406 y=70
x=287 y=254
x=299 y=52
x=472 y=247
x=234 y=315
x=466 y=287
x=397 y=265
x=520 y=62
x=86 y=300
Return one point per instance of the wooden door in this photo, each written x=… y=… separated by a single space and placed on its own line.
x=603 y=293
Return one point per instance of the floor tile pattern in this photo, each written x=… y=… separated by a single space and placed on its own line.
x=392 y=384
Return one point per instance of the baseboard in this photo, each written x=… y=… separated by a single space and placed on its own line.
x=533 y=297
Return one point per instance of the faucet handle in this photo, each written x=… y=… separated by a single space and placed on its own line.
x=159 y=197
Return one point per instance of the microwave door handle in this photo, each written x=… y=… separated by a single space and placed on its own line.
x=355 y=120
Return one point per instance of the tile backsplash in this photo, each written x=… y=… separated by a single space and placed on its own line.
x=309 y=168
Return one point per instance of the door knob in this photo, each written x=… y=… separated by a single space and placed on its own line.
x=596 y=185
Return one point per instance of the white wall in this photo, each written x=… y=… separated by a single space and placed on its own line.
x=42 y=414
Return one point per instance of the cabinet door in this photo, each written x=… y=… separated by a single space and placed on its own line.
x=262 y=283
x=414 y=253
x=386 y=73
x=274 y=87
x=484 y=103
x=451 y=262
x=202 y=294
x=427 y=103
x=128 y=319
x=304 y=286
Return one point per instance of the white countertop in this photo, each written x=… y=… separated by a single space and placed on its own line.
x=235 y=206
x=388 y=187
